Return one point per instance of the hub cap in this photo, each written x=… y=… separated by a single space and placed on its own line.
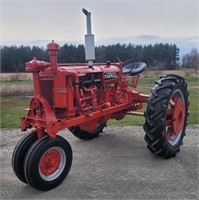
x=175 y=117
x=52 y=163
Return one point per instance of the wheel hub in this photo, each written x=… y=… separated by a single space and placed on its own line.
x=178 y=117
x=175 y=117
x=50 y=162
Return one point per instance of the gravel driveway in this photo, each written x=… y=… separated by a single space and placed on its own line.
x=117 y=165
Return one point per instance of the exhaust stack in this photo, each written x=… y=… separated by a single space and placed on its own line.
x=89 y=40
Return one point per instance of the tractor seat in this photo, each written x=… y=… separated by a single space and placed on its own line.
x=134 y=68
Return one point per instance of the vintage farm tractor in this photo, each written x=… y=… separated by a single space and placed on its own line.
x=82 y=98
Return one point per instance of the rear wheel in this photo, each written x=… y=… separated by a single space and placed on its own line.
x=166 y=116
x=48 y=162
x=19 y=154
x=84 y=135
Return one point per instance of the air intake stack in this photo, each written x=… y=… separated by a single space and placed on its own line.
x=89 y=40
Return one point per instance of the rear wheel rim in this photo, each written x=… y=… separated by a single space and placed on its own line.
x=175 y=117
x=52 y=163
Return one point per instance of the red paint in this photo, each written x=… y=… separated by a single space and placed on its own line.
x=67 y=95
x=53 y=49
x=50 y=162
x=175 y=116
x=178 y=117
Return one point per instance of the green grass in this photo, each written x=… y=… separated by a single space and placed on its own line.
x=11 y=110
x=14 y=107
x=193 y=87
x=16 y=82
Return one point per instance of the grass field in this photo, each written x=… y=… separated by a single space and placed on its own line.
x=12 y=107
x=16 y=87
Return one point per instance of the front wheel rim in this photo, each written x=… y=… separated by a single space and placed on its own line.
x=175 y=117
x=52 y=163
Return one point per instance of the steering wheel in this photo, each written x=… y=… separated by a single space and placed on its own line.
x=123 y=57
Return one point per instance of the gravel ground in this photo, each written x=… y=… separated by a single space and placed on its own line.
x=117 y=165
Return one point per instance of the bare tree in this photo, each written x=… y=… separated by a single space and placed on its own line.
x=191 y=60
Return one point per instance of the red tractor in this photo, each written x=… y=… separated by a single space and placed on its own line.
x=82 y=98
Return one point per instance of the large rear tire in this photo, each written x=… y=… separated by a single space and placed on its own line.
x=19 y=154
x=84 y=135
x=166 y=116
x=48 y=162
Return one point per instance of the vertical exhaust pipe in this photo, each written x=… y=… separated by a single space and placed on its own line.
x=89 y=40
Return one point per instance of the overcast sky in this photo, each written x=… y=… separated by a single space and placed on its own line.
x=37 y=22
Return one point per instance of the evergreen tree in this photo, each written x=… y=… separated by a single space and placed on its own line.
x=160 y=56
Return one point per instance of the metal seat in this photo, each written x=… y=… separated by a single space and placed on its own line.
x=134 y=68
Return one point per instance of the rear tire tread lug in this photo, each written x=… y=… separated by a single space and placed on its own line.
x=155 y=115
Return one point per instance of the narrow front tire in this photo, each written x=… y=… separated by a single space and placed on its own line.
x=48 y=162
x=19 y=154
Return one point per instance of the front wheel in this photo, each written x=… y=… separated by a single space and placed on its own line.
x=19 y=154
x=48 y=162
x=166 y=116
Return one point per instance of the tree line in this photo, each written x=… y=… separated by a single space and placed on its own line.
x=159 y=56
